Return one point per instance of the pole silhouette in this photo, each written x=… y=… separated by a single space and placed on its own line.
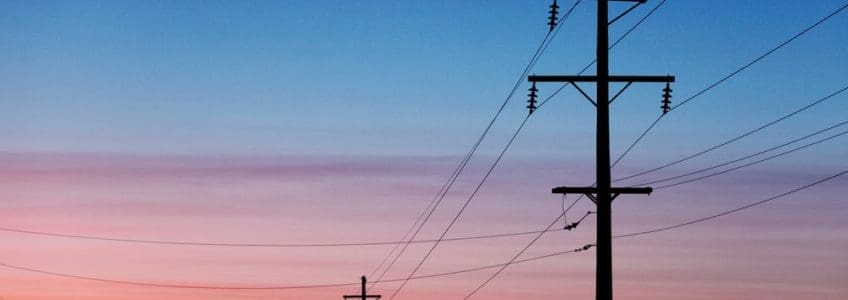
x=602 y=194
x=364 y=295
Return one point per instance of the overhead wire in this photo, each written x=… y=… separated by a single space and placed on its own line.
x=687 y=100
x=684 y=224
x=268 y=245
x=463 y=207
x=516 y=133
x=226 y=244
x=737 y=138
x=720 y=81
x=754 y=162
x=515 y=257
x=563 y=215
x=539 y=50
x=446 y=186
x=329 y=285
x=682 y=103
x=744 y=207
x=704 y=177
x=758 y=153
x=282 y=287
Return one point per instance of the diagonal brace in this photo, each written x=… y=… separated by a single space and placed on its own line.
x=621 y=91
x=626 y=12
x=584 y=93
x=592 y=197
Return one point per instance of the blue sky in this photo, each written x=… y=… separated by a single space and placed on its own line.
x=389 y=77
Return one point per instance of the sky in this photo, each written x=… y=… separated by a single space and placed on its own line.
x=338 y=122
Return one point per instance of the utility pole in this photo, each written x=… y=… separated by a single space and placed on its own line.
x=603 y=193
x=364 y=295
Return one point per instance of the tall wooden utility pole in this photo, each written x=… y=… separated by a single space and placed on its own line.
x=603 y=194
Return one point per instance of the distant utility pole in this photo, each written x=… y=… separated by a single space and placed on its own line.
x=364 y=295
x=603 y=194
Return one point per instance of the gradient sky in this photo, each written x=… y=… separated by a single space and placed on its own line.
x=337 y=121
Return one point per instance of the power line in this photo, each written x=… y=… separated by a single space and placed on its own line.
x=603 y=193
x=621 y=38
x=159 y=285
x=464 y=206
x=516 y=133
x=441 y=191
x=730 y=75
x=539 y=50
x=288 y=287
x=176 y=286
x=632 y=28
x=744 y=135
x=538 y=236
x=515 y=257
x=283 y=245
x=757 y=161
x=817 y=132
x=691 y=222
x=268 y=245
x=696 y=179
x=781 y=45
x=656 y=121
x=699 y=220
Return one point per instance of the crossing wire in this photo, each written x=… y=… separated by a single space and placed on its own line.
x=704 y=219
x=402 y=241
x=541 y=48
x=329 y=285
x=628 y=32
x=518 y=130
x=463 y=207
x=563 y=215
x=755 y=162
x=720 y=81
x=687 y=100
x=541 y=232
x=692 y=222
x=656 y=121
x=744 y=135
x=817 y=132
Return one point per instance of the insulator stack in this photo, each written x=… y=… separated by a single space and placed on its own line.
x=666 y=101
x=552 y=20
x=531 y=104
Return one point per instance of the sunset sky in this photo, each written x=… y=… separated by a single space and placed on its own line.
x=338 y=121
